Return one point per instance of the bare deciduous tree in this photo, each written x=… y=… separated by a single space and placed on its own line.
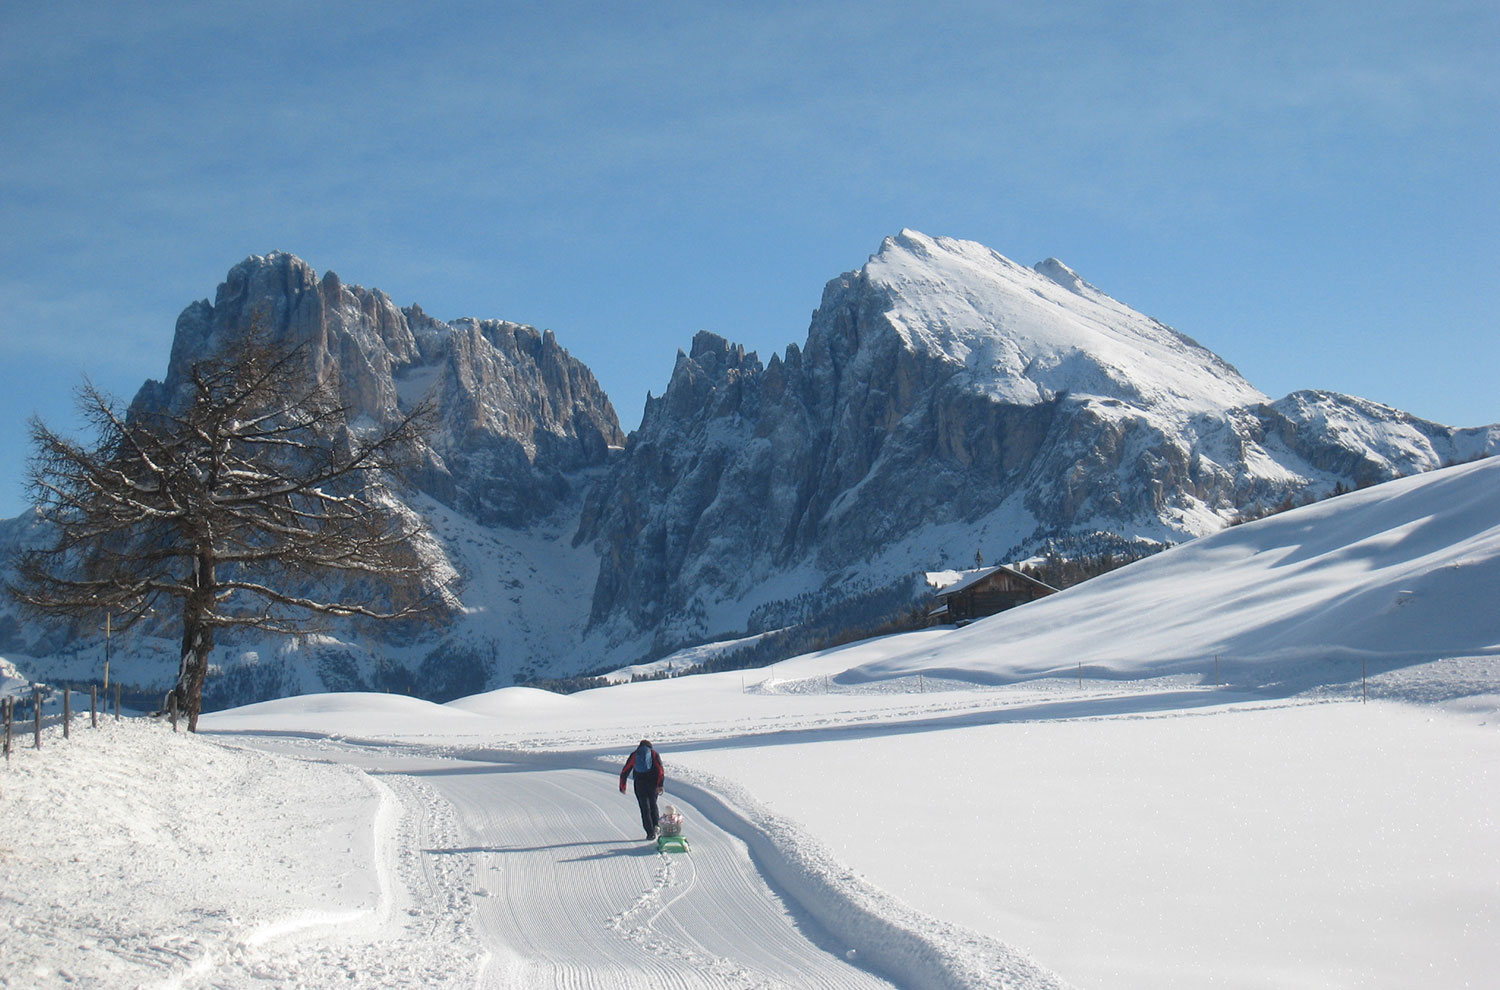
x=226 y=506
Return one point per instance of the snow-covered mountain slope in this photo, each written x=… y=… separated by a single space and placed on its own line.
x=1399 y=574
x=1025 y=335
x=948 y=400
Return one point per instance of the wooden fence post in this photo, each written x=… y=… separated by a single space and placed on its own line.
x=117 y=701
x=67 y=709
x=172 y=708
x=36 y=711
x=9 y=704
x=94 y=705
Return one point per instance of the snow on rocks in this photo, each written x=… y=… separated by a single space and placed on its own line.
x=12 y=681
x=1031 y=333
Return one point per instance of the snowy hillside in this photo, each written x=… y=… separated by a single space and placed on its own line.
x=948 y=808
x=1398 y=574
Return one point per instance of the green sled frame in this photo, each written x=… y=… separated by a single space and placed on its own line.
x=672 y=843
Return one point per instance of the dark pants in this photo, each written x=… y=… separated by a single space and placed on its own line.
x=645 y=796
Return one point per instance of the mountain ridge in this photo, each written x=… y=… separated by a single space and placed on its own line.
x=944 y=387
x=945 y=400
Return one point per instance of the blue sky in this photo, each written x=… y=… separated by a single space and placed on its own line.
x=1308 y=189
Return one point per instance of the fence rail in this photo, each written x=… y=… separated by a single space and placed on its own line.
x=17 y=712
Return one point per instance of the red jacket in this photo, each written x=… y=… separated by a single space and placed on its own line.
x=655 y=774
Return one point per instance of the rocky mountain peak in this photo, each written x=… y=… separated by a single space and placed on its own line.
x=908 y=241
x=1065 y=277
x=518 y=414
x=718 y=356
x=1026 y=334
x=351 y=333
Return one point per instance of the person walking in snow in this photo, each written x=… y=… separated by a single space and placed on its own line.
x=649 y=782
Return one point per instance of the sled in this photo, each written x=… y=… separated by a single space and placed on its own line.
x=669 y=837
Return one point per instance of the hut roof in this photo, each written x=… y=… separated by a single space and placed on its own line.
x=972 y=578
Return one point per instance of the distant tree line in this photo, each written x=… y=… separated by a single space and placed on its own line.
x=1064 y=572
x=880 y=612
x=567 y=685
x=1072 y=558
x=787 y=643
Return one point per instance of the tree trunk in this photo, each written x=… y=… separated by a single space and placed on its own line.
x=197 y=640
x=197 y=643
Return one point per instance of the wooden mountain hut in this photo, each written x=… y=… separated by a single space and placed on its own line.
x=985 y=592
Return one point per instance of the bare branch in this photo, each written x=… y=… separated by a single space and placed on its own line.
x=251 y=486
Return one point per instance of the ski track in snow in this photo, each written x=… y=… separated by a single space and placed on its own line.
x=421 y=907
x=565 y=892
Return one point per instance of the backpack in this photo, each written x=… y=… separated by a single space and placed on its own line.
x=643 y=759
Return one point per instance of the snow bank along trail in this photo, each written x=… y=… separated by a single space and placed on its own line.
x=568 y=893
x=135 y=857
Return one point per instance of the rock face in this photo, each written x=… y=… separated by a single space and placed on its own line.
x=946 y=401
x=519 y=416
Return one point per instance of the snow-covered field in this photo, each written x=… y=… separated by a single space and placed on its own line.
x=1167 y=777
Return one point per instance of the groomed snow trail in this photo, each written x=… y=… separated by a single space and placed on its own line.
x=568 y=893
